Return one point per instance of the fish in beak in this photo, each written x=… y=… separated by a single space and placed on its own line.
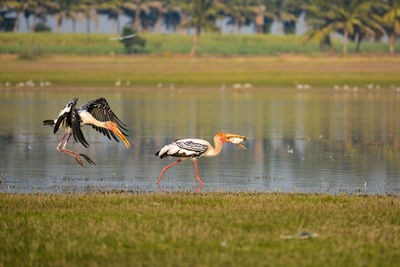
x=235 y=139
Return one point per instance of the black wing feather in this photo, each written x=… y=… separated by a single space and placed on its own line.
x=192 y=146
x=101 y=111
x=77 y=132
x=59 y=121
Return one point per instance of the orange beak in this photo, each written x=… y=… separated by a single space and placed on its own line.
x=118 y=132
x=236 y=139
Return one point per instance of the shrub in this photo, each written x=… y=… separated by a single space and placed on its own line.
x=130 y=43
x=31 y=52
x=41 y=27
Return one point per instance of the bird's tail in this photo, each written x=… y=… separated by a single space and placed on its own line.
x=49 y=122
x=158 y=153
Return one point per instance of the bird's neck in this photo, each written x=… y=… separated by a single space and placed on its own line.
x=217 y=149
x=102 y=124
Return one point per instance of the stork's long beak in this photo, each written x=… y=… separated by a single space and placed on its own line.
x=118 y=132
x=236 y=139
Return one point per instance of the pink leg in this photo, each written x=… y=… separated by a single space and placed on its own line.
x=199 y=188
x=70 y=152
x=59 y=144
x=197 y=172
x=166 y=168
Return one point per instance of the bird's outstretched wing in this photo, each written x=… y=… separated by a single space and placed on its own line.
x=101 y=111
x=66 y=115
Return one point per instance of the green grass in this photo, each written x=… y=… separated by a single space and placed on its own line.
x=188 y=229
x=164 y=44
x=148 y=71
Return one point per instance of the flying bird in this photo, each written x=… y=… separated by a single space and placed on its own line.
x=197 y=148
x=123 y=37
x=96 y=113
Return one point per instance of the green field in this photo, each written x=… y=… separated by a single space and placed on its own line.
x=167 y=44
x=212 y=72
x=187 y=229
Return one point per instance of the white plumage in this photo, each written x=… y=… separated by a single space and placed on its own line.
x=185 y=148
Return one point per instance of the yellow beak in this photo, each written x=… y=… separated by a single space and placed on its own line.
x=236 y=139
x=118 y=132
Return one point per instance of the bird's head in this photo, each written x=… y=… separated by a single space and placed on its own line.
x=232 y=138
x=112 y=126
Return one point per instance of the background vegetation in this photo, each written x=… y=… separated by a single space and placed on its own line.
x=181 y=72
x=356 y=20
x=170 y=44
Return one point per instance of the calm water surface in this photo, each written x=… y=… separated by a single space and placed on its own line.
x=341 y=142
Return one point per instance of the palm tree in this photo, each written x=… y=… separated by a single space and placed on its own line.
x=202 y=15
x=136 y=9
x=341 y=16
x=278 y=10
x=294 y=7
x=240 y=12
x=387 y=16
x=68 y=9
x=112 y=9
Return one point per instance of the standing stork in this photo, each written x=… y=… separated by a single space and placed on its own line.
x=196 y=148
x=96 y=113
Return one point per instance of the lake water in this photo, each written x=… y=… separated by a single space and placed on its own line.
x=300 y=141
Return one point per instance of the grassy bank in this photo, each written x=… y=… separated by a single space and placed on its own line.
x=191 y=229
x=165 y=44
x=149 y=71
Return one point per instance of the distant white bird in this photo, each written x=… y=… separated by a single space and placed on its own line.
x=248 y=85
x=346 y=87
x=307 y=86
x=30 y=83
x=237 y=86
x=20 y=85
x=336 y=87
x=118 y=83
x=300 y=86
x=370 y=86
x=123 y=37
x=223 y=87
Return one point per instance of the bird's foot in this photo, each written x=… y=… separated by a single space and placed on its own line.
x=87 y=158
x=79 y=161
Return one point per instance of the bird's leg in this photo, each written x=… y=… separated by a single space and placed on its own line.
x=166 y=168
x=197 y=172
x=198 y=188
x=76 y=153
x=59 y=144
x=67 y=151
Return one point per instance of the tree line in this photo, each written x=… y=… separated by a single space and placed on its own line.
x=355 y=20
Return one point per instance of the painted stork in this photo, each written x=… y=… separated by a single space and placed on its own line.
x=96 y=113
x=197 y=148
